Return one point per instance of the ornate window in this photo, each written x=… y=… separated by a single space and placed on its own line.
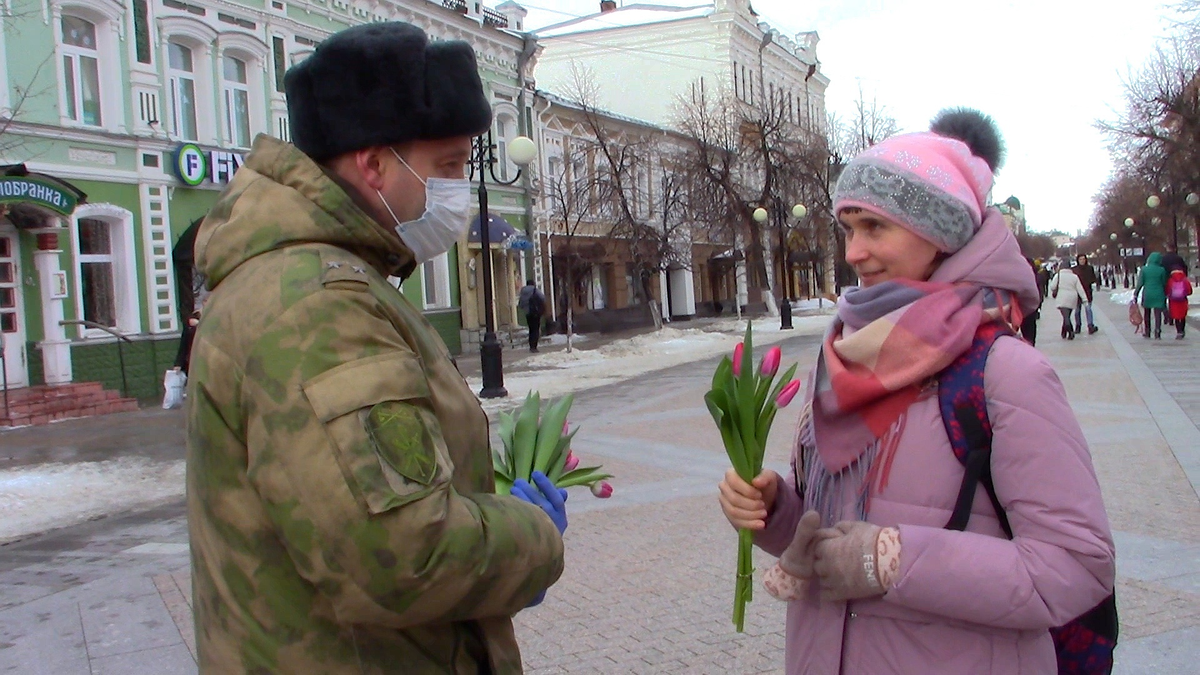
x=105 y=274
x=237 y=101
x=99 y=296
x=81 y=71
x=182 y=89
x=435 y=280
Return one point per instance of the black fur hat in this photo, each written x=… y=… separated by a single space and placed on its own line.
x=383 y=84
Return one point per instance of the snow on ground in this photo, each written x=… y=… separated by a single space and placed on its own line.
x=560 y=339
x=813 y=304
x=558 y=373
x=39 y=498
x=1122 y=298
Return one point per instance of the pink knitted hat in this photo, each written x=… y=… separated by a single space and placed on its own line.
x=934 y=183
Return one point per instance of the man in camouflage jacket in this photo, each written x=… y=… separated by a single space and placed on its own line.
x=340 y=494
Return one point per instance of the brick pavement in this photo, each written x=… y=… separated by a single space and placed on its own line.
x=648 y=583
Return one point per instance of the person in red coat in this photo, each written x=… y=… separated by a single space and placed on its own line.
x=1178 y=290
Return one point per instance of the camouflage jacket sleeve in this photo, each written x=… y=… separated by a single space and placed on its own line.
x=349 y=460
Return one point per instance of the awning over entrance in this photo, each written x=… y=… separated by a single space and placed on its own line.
x=27 y=196
x=501 y=232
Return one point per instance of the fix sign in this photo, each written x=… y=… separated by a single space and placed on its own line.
x=194 y=166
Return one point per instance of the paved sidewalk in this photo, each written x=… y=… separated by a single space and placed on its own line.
x=648 y=583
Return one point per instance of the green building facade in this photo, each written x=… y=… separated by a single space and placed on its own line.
x=120 y=123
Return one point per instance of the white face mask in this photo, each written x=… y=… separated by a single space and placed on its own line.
x=447 y=210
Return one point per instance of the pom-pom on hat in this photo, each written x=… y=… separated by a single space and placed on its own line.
x=934 y=183
x=383 y=84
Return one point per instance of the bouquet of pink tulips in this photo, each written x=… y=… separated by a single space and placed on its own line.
x=537 y=441
x=743 y=402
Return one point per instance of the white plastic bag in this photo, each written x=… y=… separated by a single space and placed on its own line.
x=173 y=383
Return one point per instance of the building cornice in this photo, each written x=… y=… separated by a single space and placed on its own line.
x=75 y=135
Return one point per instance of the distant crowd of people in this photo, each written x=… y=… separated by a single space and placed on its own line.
x=1161 y=291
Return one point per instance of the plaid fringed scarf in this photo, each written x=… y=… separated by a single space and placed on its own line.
x=900 y=335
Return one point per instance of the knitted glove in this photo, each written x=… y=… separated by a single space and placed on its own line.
x=785 y=581
x=846 y=561
x=797 y=559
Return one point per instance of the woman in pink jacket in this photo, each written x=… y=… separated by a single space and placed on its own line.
x=875 y=582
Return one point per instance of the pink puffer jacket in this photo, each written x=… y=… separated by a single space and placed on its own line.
x=974 y=601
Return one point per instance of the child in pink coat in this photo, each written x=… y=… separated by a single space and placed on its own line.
x=1178 y=289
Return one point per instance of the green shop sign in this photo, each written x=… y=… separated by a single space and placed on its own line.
x=26 y=190
x=193 y=165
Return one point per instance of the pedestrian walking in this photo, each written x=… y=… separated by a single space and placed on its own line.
x=533 y=304
x=1067 y=292
x=1029 y=325
x=340 y=493
x=875 y=581
x=1152 y=289
x=1044 y=276
x=1087 y=278
x=1179 y=287
x=1172 y=261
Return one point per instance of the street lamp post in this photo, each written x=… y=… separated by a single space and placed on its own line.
x=521 y=151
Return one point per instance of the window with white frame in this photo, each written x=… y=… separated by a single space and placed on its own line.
x=81 y=71
x=182 y=84
x=435 y=280
x=237 y=101
x=96 y=272
x=505 y=125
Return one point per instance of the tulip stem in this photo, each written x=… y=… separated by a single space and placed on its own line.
x=743 y=590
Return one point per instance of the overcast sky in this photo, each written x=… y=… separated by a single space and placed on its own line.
x=1046 y=70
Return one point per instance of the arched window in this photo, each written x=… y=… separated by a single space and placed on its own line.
x=506 y=130
x=99 y=286
x=81 y=71
x=236 y=88
x=181 y=75
x=105 y=274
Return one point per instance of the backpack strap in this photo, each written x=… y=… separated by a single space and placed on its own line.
x=963 y=406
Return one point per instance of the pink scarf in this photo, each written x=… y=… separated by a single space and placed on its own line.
x=902 y=334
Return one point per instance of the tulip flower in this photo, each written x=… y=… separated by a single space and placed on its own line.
x=572 y=462
x=789 y=392
x=743 y=406
x=770 y=362
x=602 y=489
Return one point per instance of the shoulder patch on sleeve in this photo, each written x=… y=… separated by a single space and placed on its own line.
x=401 y=439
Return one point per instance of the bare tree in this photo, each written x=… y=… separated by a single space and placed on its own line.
x=571 y=203
x=12 y=143
x=1155 y=142
x=869 y=123
x=628 y=160
x=742 y=157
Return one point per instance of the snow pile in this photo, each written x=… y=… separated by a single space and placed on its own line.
x=559 y=339
x=39 y=498
x=559 y=373
x=813 y=305
x=1122 y=298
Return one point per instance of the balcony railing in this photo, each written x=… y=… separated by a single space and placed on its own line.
x=494 y=19
x=455 y=5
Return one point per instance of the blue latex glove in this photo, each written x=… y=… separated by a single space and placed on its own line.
x=551 y=499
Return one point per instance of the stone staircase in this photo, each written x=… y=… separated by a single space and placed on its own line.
x=49 y=403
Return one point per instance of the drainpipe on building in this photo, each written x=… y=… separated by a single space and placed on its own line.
x=548 y=254
x=528 y=49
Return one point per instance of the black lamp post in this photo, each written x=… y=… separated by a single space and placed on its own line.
x=483 y=161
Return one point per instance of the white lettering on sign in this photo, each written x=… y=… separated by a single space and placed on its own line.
x=222 y=165
x=218 y=166
x=32 y=191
